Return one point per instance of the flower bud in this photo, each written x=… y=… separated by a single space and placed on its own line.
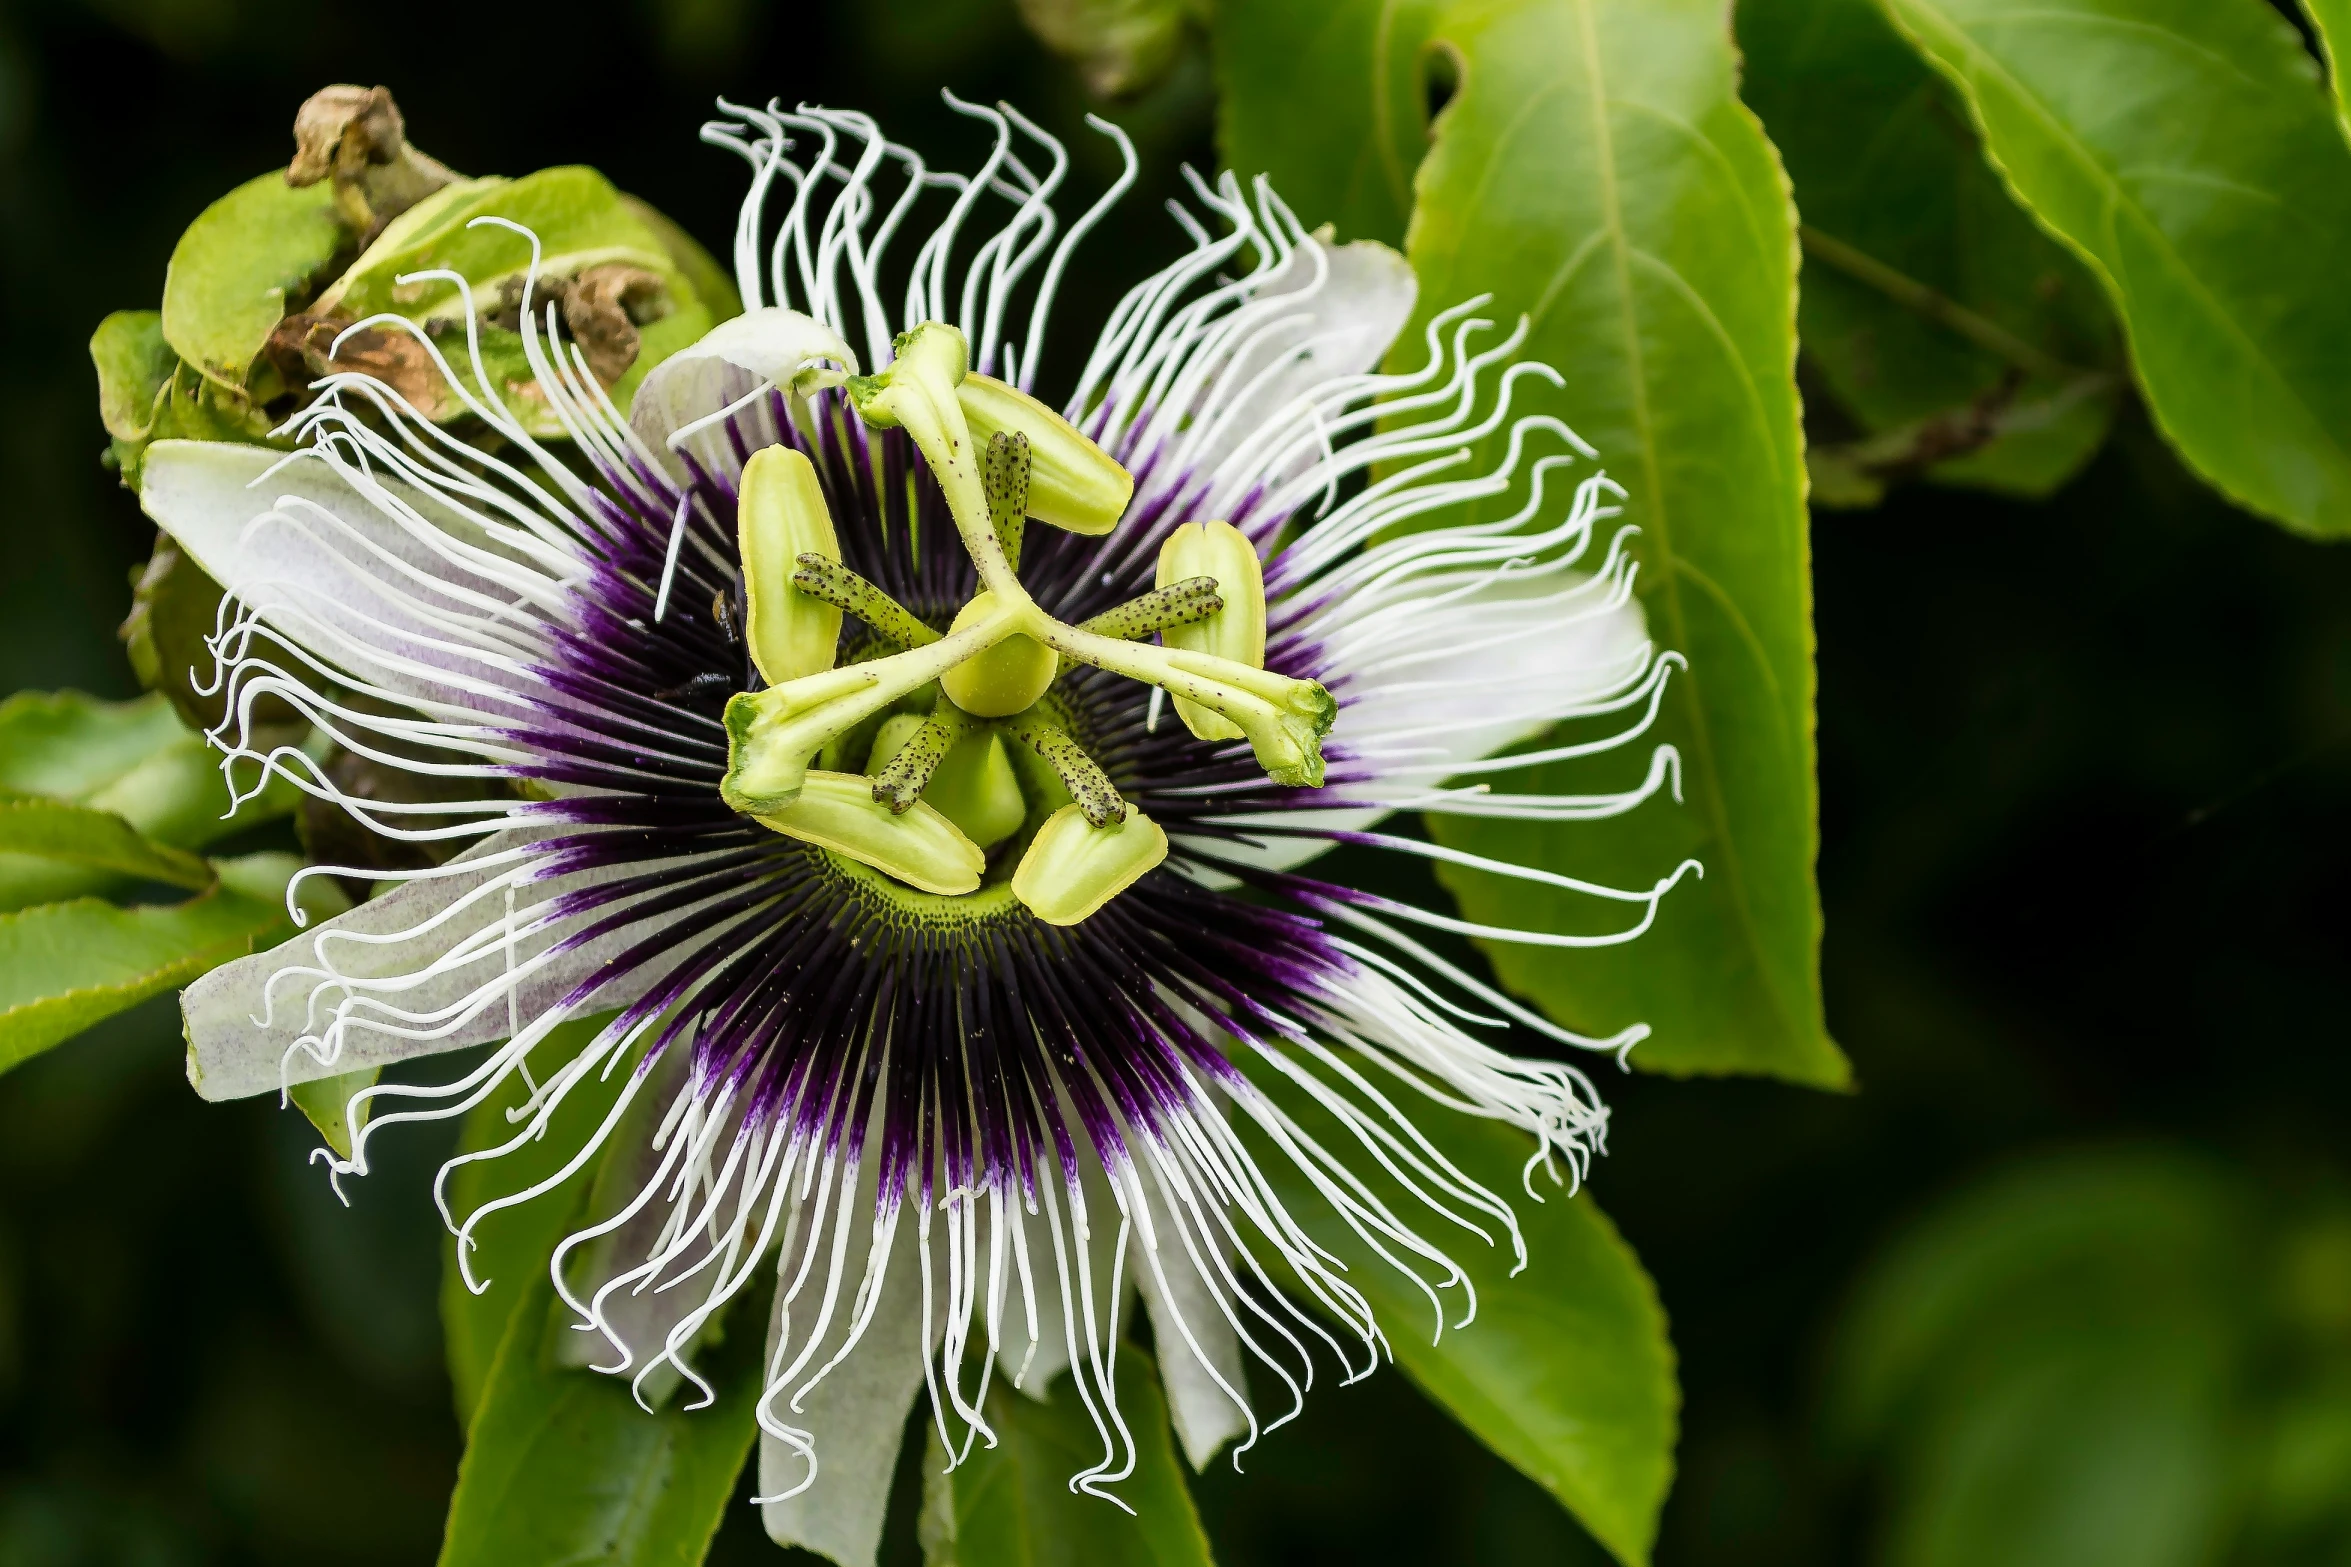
x=1237 y=631
x=1072 y=868
x=782 y=515
x=1006 y=678
x=921 y=848
x=1073 y=484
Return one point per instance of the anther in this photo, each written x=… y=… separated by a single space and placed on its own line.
x=902 y=782
x=835 y=584
x=1178 y=604
x=782 y=517
x=1088 y=786
x=1004 y=478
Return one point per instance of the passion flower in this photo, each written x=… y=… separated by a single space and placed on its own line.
x=935 y=947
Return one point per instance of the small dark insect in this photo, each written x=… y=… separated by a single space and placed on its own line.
x=700 y=685
x=730 y=619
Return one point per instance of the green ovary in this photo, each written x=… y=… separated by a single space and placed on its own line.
x=976 y=787
x=1006 y=679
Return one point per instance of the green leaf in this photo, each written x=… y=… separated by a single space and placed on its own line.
x=1331 y=102
x=1597 y=172
x=2184 y=149
x=2050 y=1359
x=2331 y=20
x=580 y=221
x=1011 y=1505
x=73 y=747
x=134 y=366
x=563 y=1466
x=132 y=759
x=326 y=1102
x=1566 y=1372
x=1927 y=292
x=247 y=259
x=101 y=840
x=147 y=394
x=513 y=1245
x=64 y=966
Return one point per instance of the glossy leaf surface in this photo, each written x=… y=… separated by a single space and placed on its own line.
x=561 y=1465
x=1596 y=171
x=2186 y=149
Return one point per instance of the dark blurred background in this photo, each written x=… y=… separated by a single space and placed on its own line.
x=2068 y=1279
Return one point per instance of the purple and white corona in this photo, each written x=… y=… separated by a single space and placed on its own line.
x=917 y=772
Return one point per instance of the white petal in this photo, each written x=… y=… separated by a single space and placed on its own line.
x=243 y=1030
x=733 y=360
x=1363 y=300
x=856 y=1415
x=1427 y=688
x=1205 y=1415
x=1466 y=679
x=397 y=588
x=1327 y=314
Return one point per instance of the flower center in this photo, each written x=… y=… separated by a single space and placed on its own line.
x=962 y=748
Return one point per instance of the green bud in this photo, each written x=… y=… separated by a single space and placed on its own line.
x=1073 y=484
x=781 y=516
x=1072 y=868
x=1237 y=631
x=921 y=848
x=1004 y=680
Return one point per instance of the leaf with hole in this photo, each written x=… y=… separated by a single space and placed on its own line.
x=1596 y=171
x=1332 y=103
